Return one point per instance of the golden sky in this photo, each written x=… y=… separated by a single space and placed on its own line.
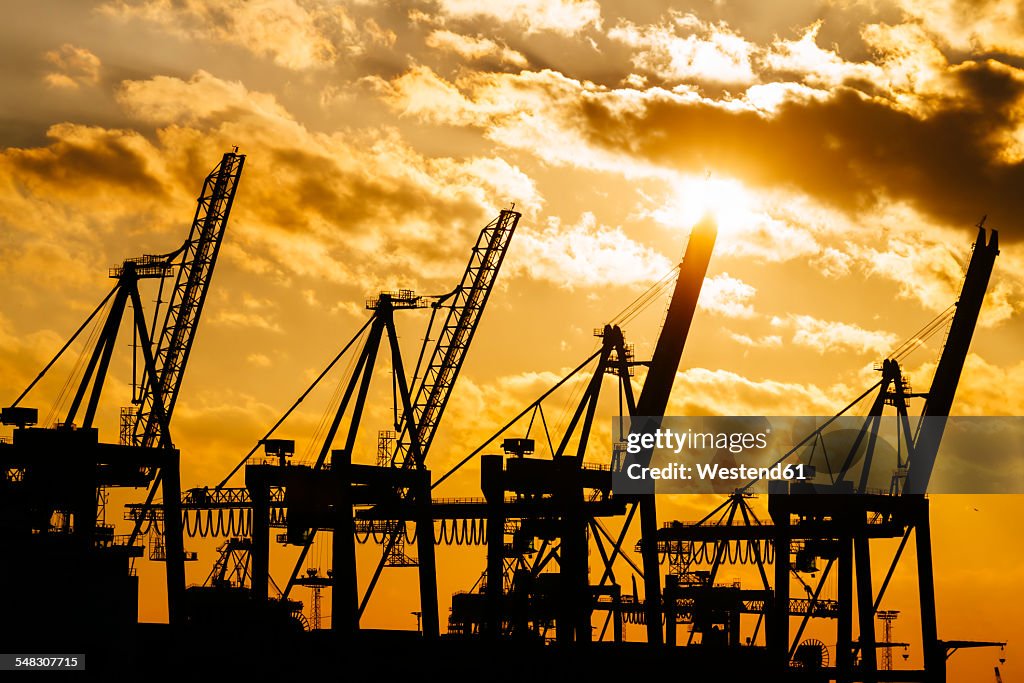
x=845 y=147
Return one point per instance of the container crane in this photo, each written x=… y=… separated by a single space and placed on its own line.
x=838 y=529
x=49 y=513
x=273 y=493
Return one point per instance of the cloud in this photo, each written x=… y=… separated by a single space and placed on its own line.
x=259 y=360
x=294 y=34
x=585 y=254
x=928 y=264
x=832 y=262
x=78 y=204
x=705 y=52
x=475 y=47
x=976 y=25
x=700 y=391
x=75 y=66
x=249 y=320
x=727 y=296
x=21 y=357
x=352 y=207
x=813 y=64
x=767 y=341
x=827 y=336
x=537 y=111
x=984 y=389
x=216 y=427
x=851 y=150
x=313 y=200
x=87 y=158
x=566 y=17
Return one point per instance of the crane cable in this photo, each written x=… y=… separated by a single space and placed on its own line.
x=645 y=299
x=77 y=370
x=295 y=405
x=330 y=409
x=928 y=330
x=64 y=348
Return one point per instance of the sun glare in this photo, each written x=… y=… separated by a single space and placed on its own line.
x=727 y=201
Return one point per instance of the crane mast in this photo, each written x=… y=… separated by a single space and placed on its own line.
x=655 y=395
x=198 y=258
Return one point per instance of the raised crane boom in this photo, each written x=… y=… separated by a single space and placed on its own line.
x=951 y=362
x=198 y=258
x=469 y=299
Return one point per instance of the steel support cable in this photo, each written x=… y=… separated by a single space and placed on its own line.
x=507 y=425
x=571 y=402
x=939 y=325
x=77 y=371
x=937 y=321
x=311 y=451
x=647 y=303
x=643 y=300
x=820 y=429
x=296 y=404
x=64 y=348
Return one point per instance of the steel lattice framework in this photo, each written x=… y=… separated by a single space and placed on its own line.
x=198 y=258
x=464 y=312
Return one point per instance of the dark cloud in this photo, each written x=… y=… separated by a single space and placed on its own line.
x=92 y=157
x=848 y=150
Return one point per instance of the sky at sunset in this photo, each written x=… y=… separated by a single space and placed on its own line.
x=845 y=148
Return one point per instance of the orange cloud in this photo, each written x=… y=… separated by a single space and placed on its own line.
x=294 y=34
x=566 y=17
x=475 y=47
x=75 y=66
x=705 y=52
x=585 y=254
x=827 y=336
x=727 y=296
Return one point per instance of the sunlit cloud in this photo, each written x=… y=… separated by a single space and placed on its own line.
x=983 y=25
x=700 y=391
x=684 y=48
x=985 y=388
x=727 y=296
x=474 y=47
x=766 y=342
x=73 y=67
x=565 y=17
x=294 y=34
x=827 y=336
x=585 y=254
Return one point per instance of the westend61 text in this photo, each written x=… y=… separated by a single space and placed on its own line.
x=714 y=472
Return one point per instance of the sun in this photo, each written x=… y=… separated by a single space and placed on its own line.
x=727 y=201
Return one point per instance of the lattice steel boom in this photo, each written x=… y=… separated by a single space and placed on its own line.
x=198 y=256
x=467 y=305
